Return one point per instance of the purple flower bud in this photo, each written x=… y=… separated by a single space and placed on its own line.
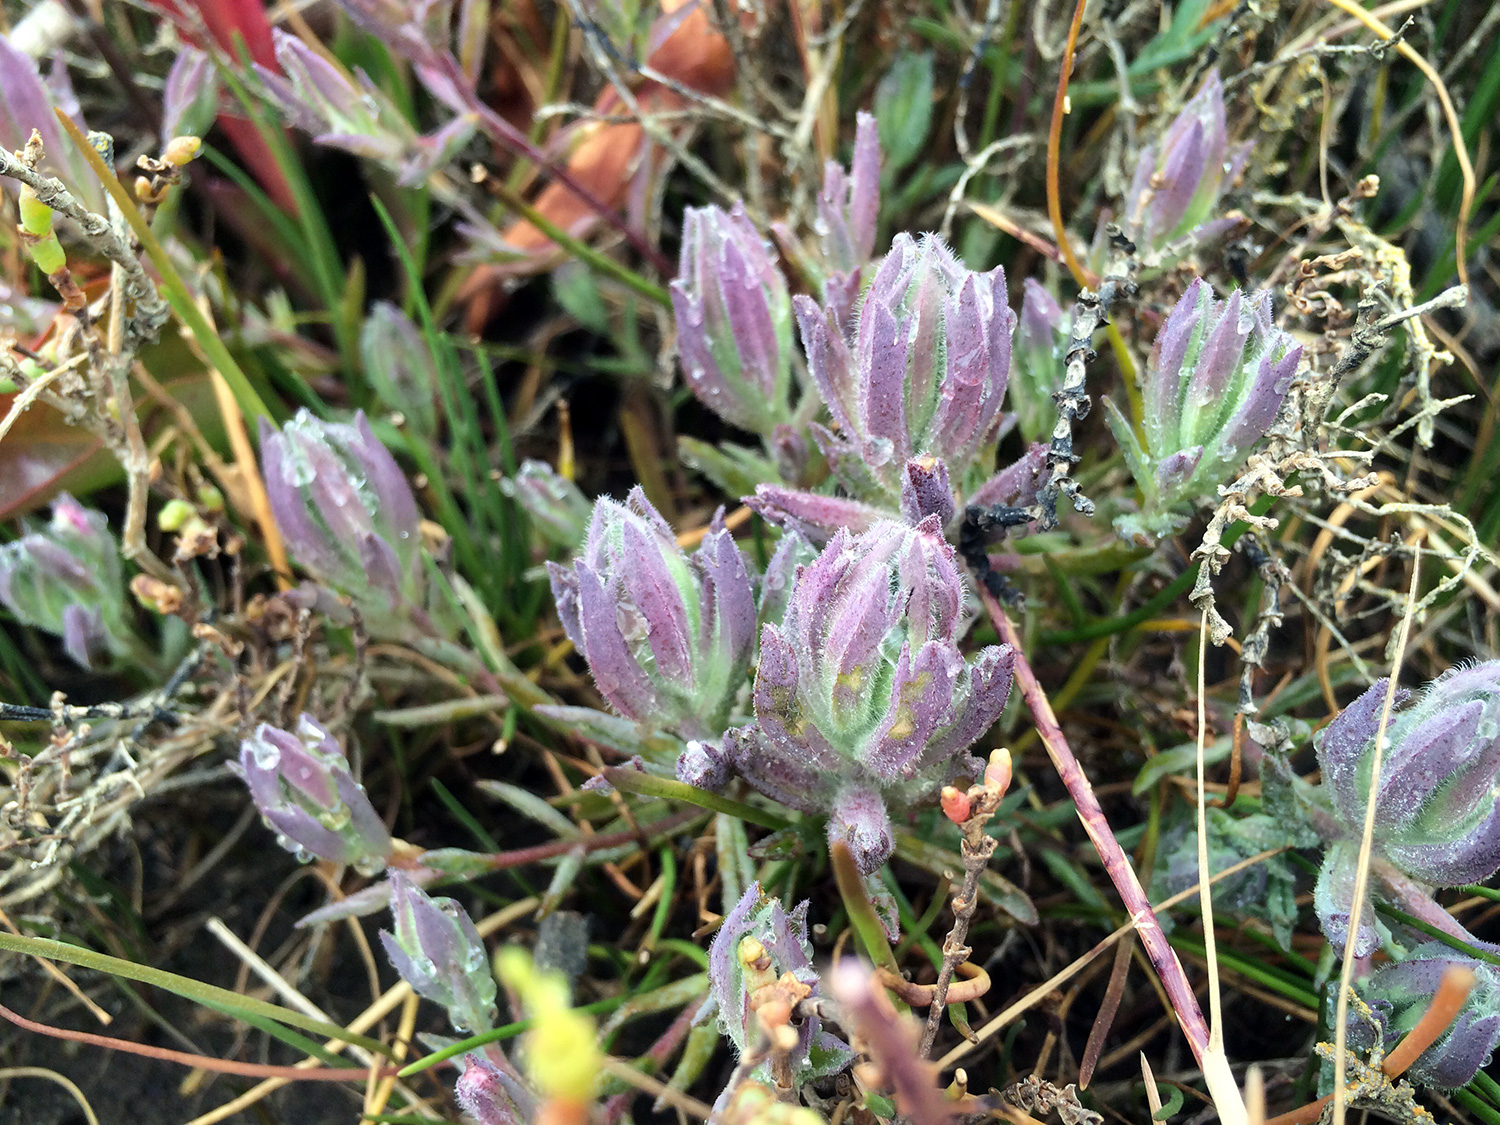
x=559 y=511
x=191 y=90
x=320 y=99
x=309 y=95
x=785 y=564
x=437 y=951
x=418 y=32
x=758 y=943
x=667 y=637
x=347 y=515
x=66 y=579
x=812 y=514
x=1333 y=899
x=848 y=207
x=1399 y=994
x=702 y=764
x=927 y=372
x=1178 y=181
x=1037 y=361
x=84 y=637
x=1017 y=483
x=1214 y=383
x=925 y=491
x=489 y=1095
x=857 y=817
x=862 y=691
x=400 y=366
x=301 y=784
x=790 y=451
x=1437 y=815
x=733 y=320
x=434 y=151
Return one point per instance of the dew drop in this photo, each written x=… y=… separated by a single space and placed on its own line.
x=299 y=470
x=265 y=753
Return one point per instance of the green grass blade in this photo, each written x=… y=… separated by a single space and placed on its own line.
x=221 y=999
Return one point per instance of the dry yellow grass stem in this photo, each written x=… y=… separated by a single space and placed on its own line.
x=62 y=978
x=1367 y=843
x=733 y=521
x=375 y=1104
x=1222 y=1086
x=9 y=1072
x=1460 y=149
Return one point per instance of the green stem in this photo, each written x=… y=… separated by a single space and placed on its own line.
x=1033 y=557
x=579 y=249
x=861 y=910
x=648 y=785
x=1111 y=625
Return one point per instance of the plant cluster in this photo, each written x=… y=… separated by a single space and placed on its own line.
x=873 y=685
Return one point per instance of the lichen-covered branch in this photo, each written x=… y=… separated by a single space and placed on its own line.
x=151 y=310
x=1090 y=314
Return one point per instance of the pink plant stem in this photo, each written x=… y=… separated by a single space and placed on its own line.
x=1132 y=894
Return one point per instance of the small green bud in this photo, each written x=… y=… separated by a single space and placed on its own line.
x=210 y=498
x=174 y=514
x=36 y=216
x=48 y=255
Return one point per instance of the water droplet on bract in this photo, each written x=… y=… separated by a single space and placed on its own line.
x=266 y=755
x=299 y=470
x=370 y=866
x=301 y=854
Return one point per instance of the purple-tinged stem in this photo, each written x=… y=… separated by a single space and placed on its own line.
x=1163 y=959
x=508 y=136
